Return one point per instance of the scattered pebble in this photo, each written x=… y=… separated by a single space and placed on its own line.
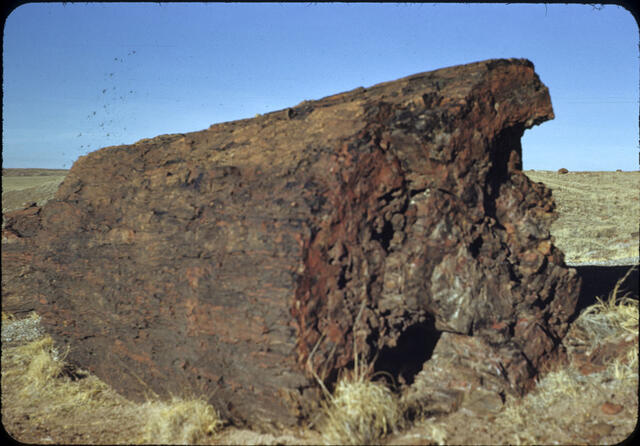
x=21 y=330
x=610 y=408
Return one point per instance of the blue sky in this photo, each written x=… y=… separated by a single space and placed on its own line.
x=78 y=77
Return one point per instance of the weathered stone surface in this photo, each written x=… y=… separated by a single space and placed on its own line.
x=232 y=262
x=21 y=225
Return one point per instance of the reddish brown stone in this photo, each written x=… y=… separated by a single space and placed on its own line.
x=610 y=408
x=217 y=261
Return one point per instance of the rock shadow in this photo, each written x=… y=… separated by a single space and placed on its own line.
x=599 y=281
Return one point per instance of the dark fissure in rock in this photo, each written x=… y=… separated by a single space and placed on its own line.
x=474 y=248
x=385 y=236
x=599 y=281
x=507 y=149
x=415 y=346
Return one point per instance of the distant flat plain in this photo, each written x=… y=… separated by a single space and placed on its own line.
x=598 y=215
x=23 y=186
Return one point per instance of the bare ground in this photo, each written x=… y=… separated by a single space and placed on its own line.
x=593 y=399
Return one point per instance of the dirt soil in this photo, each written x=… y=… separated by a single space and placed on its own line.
x=593 y=399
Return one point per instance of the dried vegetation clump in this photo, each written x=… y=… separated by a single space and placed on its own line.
x=38 y=385
x=179 y=421
x=610 y=319
x=360 y=411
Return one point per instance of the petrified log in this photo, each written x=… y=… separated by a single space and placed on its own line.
x=233 y=262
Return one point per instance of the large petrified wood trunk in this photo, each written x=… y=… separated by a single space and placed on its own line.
x=232 y=262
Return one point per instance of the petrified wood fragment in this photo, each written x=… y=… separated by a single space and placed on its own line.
x=232 y=262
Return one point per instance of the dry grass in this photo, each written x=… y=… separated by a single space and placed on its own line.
x=37 y=382
x=179 y=421
x=39 y=364
x=19 y=190
x=611 y=318
x=360 y=411
x=571 y=395
x=39 y=389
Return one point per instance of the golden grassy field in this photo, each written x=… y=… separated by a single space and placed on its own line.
x=595 y=401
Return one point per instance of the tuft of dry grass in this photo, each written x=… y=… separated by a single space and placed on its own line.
x=38 y=386
x=179 y=421
x=41 y=365
x=37 y=382
x=360 y=410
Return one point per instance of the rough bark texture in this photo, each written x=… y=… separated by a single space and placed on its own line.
x=233 y=262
